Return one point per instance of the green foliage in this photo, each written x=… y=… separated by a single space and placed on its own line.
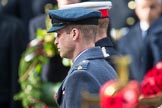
x=34 y=91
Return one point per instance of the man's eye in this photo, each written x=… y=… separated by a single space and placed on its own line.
x=152 y=6
x=58 y=35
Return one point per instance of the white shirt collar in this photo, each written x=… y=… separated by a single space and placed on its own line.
x=80 y=54
x=144 y=25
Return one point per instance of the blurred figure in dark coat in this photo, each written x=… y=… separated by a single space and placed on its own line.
x=25 y=9
x=135 y=42
x=20 y=9
x=155 y=43
x=122 y=16
x=12 y=44
x=10 y=7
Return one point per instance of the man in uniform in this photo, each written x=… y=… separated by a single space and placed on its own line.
x=102 y=38
x=75 y=40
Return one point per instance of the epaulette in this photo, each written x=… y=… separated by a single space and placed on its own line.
x=83 y=65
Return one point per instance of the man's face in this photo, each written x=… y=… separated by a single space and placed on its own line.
x=65 y=44
x=148 y=10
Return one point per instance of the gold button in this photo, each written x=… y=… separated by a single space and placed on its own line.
x=80 y=67
x=131 y=5
x=130 y=20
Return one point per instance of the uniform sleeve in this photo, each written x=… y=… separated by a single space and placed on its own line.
x=76 y=83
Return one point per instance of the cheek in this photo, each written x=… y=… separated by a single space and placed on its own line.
x=156 y=13
x=66 y=42
x=69 y=44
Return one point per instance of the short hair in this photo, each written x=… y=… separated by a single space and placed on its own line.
x=103 y=23
x=88 y=31
x=103 y=26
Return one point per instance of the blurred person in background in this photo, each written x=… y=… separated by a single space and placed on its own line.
x=25 y=10
x=135 y=41
x=122 y=17
x=12 y=44
x=20 y=9
x=154 y=48
x=154 y=43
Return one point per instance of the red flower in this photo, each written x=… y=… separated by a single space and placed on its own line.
x=112 y=102
x=112 y=95
x=152 y=83
x=45 y=106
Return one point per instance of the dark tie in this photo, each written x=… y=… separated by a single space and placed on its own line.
x=144 y=34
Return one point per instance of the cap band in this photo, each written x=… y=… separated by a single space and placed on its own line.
x=104 y=13
x=89 y=21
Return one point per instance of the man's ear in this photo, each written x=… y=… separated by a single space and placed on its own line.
x=75 y=33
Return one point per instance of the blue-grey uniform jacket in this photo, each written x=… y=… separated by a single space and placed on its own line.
x=89 y=71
